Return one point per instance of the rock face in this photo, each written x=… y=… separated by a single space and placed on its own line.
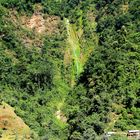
x=11 y=126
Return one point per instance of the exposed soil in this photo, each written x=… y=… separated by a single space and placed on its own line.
x=11 y=124
x=37 y=23
x=42 y=23
x=32 y=30
x=60 y=116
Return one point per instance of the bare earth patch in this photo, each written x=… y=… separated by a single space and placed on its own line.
x=42 y=23
x=32 y=30
x=60 y=116
x=36 y=22
x=11 y=125
x=51 y=24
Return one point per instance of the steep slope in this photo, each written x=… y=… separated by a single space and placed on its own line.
x=106 y=97
x=31 y=61
x=33 y=74
x=11 y=126
x=70 y=68
x=74 y=45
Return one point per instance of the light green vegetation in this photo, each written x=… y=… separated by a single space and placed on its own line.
x=73 y=43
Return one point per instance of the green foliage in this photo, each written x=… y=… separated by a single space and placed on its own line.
x=111 y=74
x=36 y=83
x=118 y=137
x=31 y=79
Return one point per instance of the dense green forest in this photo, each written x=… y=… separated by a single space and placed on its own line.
x=71 y=68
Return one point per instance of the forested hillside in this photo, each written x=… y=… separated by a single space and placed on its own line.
x=70 y=68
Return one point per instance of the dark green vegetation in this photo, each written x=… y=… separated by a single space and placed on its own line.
x=36 y=81
x=110 y=83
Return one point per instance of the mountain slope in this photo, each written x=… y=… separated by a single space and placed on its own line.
x=70 y=68
x=11 y=126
